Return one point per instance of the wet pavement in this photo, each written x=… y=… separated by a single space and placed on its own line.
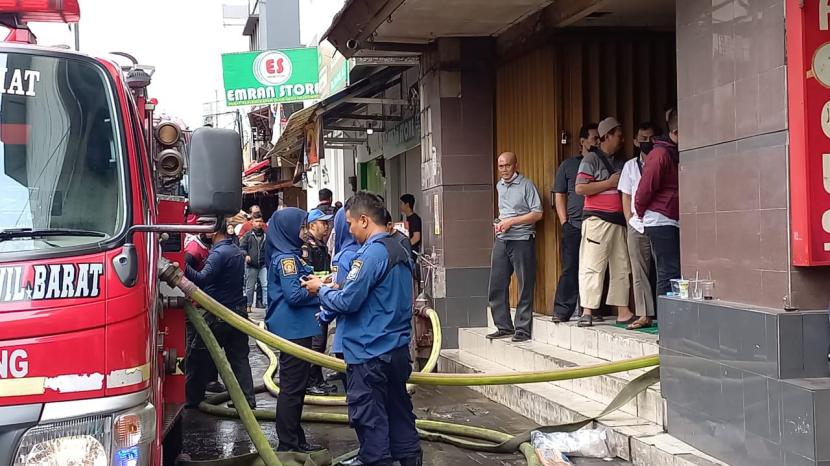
x=207 y=437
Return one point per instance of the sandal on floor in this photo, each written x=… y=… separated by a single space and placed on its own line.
x=638 y=324
x=628 y=321
x=586 y=320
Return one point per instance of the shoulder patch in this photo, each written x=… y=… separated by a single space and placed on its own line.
x=355 y=270
x=289 y=267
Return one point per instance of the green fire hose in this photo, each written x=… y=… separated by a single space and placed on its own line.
x=463 y=436
x=428 y=430
x=335 y=400
x=175 y=277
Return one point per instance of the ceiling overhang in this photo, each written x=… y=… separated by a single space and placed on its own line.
x=406 y=25
x=401 y=27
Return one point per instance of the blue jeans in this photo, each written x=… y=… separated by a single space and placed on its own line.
x=252 y=274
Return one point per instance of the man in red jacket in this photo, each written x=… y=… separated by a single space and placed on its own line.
x=657 y=204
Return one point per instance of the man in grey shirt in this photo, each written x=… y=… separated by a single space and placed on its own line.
x=514 y=250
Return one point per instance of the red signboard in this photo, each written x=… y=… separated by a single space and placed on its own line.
x=808 y=83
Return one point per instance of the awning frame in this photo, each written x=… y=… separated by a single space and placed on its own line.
x=344 y=104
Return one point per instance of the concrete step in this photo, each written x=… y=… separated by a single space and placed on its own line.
x=630 y=437
x=536 y=356
x=603 y=340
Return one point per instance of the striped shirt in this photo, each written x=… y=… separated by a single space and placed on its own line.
x=606 y=205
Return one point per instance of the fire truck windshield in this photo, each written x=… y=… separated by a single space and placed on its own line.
x=62 y=172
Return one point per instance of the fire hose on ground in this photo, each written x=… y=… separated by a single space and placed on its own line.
x=475 y=438
x=335 y=400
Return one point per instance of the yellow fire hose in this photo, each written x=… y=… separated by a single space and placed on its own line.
x=454 y=434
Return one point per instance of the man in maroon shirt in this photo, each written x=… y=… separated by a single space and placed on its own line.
x=657 y=204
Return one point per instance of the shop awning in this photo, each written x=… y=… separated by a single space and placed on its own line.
x=268 y=187
x=343 y=105
x=290 y=144
x=257 y=167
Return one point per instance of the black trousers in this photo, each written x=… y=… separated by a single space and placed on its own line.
x=259 y=294
x=200 y=369
x=511 y=256
x=318 y=344
x=665 y=245
x=293 y=381
x=190 y=334
x=567 y=290
x=380 y=409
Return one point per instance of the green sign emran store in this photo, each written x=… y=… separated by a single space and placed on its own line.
x=271 y=76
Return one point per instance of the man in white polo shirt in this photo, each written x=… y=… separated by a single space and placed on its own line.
x=639 y=246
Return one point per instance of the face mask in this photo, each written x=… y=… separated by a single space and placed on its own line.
x=646 y=147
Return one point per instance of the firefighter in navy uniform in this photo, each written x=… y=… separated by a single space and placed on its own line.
x=221 y=278
x=316 y=254
x=374 y=308
x=290 y=315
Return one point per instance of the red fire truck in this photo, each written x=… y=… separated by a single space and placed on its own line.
x=91 y=197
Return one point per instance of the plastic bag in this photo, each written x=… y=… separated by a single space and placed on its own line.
x=591 y=443
x=552 y=457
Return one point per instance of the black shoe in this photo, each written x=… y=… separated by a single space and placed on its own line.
x=215 y=387
x=328 y=388
x=558 y=320
x=413 y=460
x=316 y=391
x=520 y=337
x=352 y=462
x=307 y=447
x=499 y=334
x=336 y=377
x=231 y=405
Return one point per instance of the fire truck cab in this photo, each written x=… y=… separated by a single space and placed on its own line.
x=90 y=200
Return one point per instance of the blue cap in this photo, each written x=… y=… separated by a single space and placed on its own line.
x=317 y=214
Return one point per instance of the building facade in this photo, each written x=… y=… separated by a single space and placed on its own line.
x=745 y=376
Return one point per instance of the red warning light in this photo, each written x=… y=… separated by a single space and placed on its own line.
x=43 y=11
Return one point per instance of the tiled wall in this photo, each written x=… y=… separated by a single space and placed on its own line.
x=457 y=177
x=749 y=387
x=733 y=139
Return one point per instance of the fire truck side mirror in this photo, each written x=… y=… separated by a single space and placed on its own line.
x=215 y=172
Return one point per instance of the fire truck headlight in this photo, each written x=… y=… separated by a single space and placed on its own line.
x=170 y=163
x=132 y=433
x=134 y=427
x=168 y=133
x=81 y=441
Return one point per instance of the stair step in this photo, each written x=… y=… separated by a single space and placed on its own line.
x=631 y=438
x=537 y=356
x=603 y=340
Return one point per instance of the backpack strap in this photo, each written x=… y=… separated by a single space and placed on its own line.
x=396 y=255
x=607 y=164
